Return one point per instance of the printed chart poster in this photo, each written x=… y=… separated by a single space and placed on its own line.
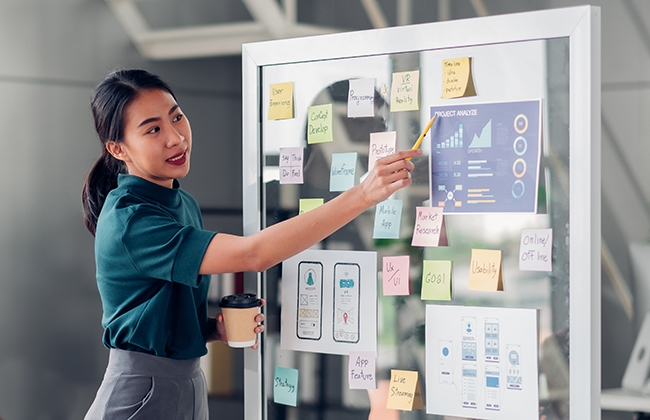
x=481 y=363
x=485 y=157
x=329 y=302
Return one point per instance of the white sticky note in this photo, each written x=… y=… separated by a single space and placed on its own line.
x=536 y=250
x=361 y=98
x=361 y=370
x=381 y=144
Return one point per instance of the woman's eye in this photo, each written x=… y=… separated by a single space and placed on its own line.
x=153 y=130
x=178 y=118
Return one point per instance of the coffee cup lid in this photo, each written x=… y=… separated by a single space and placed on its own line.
x=242 y=300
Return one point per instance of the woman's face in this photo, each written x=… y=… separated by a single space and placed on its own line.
x=157 y=138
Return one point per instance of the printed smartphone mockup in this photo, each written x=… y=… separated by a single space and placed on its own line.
x=491 y=340
x=469 y=386
x=468 y=352
x=445 y=362
x=492 y=388
x=346 y=302
x=310 y=300
x=513 y=375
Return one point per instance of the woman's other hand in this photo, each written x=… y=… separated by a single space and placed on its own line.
x=219 y=332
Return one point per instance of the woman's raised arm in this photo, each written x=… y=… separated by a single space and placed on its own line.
x=268 y=247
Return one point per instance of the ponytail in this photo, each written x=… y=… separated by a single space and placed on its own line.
x=108 y=103
x=99 y=182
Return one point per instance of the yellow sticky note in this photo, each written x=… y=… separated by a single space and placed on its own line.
x=319 y=124
x=281 y=101
x=436 y=280
x=405 y=392
x=404 y=91
x=457 y=80
x=485 y=270
x=307 y=204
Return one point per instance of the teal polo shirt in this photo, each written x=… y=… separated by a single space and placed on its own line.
x=149 y=245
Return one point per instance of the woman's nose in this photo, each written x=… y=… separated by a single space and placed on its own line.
x=176 y=138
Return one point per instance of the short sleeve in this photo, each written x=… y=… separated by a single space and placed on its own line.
x=160 y=247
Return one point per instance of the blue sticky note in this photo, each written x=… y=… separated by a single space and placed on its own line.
x=285 y=386
x=342 y=171
x=387 y=218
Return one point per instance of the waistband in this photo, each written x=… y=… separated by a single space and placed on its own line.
x=134 y=362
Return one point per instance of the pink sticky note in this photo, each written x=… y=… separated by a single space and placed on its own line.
x=291 y=165
x=429 y=227
x=361 y=370
x=395 y=276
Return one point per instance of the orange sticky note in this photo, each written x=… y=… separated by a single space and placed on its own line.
x=457 y=80
x=485 y=270
x=404 y=392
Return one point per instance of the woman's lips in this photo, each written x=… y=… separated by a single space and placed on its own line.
x=178 y=159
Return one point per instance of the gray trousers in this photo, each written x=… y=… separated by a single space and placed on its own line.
x=141 y=386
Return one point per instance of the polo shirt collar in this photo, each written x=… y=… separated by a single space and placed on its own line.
x=140 y=186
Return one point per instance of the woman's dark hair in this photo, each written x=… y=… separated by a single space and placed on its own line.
x=108 y=103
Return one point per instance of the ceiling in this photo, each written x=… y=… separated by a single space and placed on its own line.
x=164 y=30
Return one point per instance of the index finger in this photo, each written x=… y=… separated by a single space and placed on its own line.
x=400 y=155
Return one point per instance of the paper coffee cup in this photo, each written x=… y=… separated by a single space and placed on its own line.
x=239 y=313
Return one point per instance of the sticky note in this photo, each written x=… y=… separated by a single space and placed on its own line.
x=536 y=250
x=429 y=229
x=281 y=101
x=319 y=124
x=388 y=214
x=395 y=276
x=404 y=92
x=381 y=144
x=436 y=280
x=285 y=386
x=361 y=370
x=457 y=80
x=291 y=159
x=361 y=98
x=342 y=171
x=307 y=204
x=404 y=392
x=485 y=270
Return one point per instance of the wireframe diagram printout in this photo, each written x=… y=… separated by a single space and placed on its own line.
x=482 y=362
x=329 y=302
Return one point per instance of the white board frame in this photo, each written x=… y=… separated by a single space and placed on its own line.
x=581 y=25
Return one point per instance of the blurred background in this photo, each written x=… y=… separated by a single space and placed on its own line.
x=52 y=54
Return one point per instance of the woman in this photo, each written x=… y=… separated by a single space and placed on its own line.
x=153 y=256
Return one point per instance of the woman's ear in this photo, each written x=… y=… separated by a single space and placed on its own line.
x=116 y=150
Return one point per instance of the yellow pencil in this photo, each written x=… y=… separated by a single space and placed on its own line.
x=424 y=133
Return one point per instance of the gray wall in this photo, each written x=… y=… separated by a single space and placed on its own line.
x=52 y=53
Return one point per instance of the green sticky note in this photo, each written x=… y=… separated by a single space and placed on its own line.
x=436 y=280
x=319 y=124
x=307 y=204
x=285 y=386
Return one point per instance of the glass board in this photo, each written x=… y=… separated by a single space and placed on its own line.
x=511 y=71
